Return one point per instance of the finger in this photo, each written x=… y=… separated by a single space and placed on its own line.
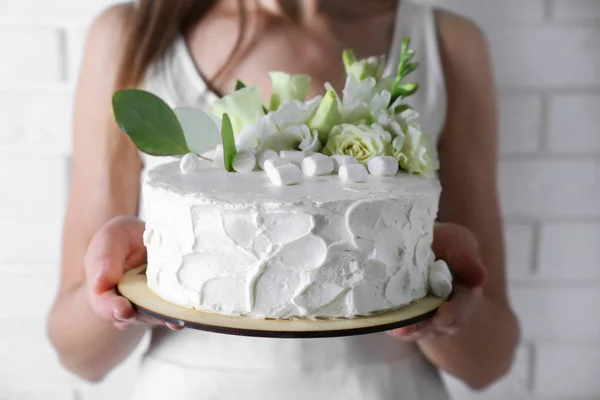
x=116 y=247
x=458 y=247
x=112 y=308
x=454 y=314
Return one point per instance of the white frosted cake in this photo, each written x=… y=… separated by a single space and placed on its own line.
x=236 y=244
x=300 y=209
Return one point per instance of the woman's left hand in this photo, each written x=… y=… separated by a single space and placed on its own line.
x=458 y=247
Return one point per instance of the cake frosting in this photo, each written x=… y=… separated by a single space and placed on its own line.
x=235 y=244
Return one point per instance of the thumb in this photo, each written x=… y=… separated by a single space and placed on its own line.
x=459 y=248
x=115 y=248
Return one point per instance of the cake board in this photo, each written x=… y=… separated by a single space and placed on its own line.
x=133 y=286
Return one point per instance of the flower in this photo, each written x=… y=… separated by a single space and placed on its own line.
x=372 y=67
x=414 y=150
x=287 y=87
x=363 y=100
x=243 y=107
x=327 y=116
x=359 y=141
x=284 y=129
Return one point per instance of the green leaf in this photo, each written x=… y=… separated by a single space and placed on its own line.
x=229 y=150
x=200 y=131
x=149 y=122
x=408 y=89
x=239 y=85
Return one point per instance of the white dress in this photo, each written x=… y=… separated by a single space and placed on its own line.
x=195 y=365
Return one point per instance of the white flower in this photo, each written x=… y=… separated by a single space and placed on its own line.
x=363 y=100
x=414 y=150
x=284 y=129
x=362 y=142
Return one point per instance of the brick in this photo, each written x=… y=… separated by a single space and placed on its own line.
x=36 y=122
x=519 y=242
x=34 y=54
x=27 y=356
x=35 y=293
x=557 y=313
x=565 y=55
x=55 y=11
x=515 y=385
x=573 y=121
x=520 y=123
x=568 y=370
x=570 y=10
x=569 y=251
x=32 y=187
x=486 y=11
x=550 y=187
x=36 y=241
x=76 y=39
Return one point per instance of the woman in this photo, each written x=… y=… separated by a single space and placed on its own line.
x=188 y=52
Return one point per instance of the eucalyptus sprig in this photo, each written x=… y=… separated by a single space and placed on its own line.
x=405 y=67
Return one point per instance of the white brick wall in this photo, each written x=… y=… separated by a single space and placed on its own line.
x=546 y=55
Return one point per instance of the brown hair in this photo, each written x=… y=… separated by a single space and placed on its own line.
x=155 y=24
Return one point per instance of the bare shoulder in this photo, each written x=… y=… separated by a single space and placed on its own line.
x=464 y=50
x=105 y=34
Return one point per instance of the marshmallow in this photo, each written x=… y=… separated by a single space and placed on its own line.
x=284 y=175
x=342 y=159
x=294 y=156
x=317 y=164
x=189 y=163
x=383 y=166
x=218 y=155
x=275 y=162
x=244 y=161
x=353 y=173
x=440 y=279
x=266 y=155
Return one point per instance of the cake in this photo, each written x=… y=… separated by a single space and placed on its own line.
x=300 y=209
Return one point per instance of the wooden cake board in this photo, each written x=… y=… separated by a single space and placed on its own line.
x=133 y=287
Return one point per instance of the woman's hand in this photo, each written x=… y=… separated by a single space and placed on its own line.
x=458 y=247
x=115 y=248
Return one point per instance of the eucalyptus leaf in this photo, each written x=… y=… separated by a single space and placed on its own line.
x=239 y=85
x=229 y=149
x=149 y=122
x=200 y=131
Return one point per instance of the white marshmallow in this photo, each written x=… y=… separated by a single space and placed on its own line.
x=383 y=166
x=266 y=155
x=218 y=155
x=440 y=279
x=189 y=163
x=285 y=175
x=275 y=162
x=353 y=173
x=342 y=159
x=244 y=161
x=317 y=164
x=294 y=156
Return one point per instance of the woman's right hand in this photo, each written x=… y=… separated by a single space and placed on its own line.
x=117 y=247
